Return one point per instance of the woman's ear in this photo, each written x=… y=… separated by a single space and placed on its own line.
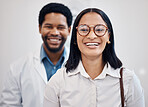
x=109 y=34
x=108 y=42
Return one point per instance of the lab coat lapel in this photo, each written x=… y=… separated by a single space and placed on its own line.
x=39 y=66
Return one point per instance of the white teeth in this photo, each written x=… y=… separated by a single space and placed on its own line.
x=92 y=44
x=54 y=40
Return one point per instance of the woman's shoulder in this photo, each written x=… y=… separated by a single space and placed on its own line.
x=57 y=77
x=132 y=87
x=131 y=80
x=128 y=74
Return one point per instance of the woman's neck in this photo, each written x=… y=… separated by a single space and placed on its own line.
x=93 y=66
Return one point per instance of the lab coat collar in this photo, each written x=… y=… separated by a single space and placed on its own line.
x=39 y=66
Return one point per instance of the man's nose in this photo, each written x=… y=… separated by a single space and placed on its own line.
x=54 y=31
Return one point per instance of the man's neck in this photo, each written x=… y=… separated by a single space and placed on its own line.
x=54 y=57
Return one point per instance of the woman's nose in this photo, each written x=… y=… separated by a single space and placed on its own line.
x=91 y=34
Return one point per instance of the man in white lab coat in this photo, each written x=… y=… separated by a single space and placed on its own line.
x=27 y=78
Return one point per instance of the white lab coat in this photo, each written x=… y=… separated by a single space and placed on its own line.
x=25 y=82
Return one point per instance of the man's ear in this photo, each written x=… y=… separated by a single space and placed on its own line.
x=40 y=26
x=69 y=30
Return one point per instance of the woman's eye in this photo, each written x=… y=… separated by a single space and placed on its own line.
x=83 y=30
x=99 y=30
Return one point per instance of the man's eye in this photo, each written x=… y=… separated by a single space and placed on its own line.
x=50 y=27
x=61 y=28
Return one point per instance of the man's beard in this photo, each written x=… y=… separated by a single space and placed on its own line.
x=54 y=50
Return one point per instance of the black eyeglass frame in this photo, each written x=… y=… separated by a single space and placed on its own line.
x=93 y=29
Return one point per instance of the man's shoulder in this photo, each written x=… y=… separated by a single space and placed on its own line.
x=67 y=50
x=66 y=55
x=25 y=60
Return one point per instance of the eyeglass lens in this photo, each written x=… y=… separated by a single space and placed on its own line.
x=99 y=30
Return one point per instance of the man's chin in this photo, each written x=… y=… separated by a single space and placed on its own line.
x=54 y=50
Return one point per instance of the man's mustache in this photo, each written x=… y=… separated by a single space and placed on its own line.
x=51 y=36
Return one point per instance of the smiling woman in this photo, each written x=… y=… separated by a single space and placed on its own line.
x=93 y=43
x=92 y=73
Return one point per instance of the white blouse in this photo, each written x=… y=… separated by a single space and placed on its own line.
x=77 y=89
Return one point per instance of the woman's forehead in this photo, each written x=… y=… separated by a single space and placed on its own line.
x=91 y=18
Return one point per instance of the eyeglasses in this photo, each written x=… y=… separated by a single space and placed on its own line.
x=98 y=29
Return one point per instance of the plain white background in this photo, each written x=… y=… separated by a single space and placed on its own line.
x=19 y=32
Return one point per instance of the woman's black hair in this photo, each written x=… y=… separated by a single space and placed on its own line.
x=109 y=54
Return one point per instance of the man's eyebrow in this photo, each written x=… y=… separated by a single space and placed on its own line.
x=61 y=25
x=47 y=24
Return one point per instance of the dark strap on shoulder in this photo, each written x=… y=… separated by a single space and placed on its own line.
x=121 y=87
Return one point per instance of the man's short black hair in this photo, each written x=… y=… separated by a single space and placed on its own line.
x=57 y=8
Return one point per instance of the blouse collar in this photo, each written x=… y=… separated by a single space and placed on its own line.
x=107 y=70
